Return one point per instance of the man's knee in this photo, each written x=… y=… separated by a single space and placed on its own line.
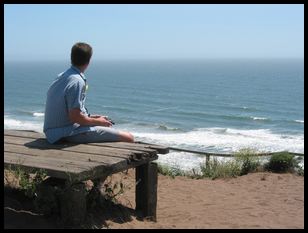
x=126 y=137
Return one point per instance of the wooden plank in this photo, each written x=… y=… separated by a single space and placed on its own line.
x=73 y=172
x=37 y=160
x=124 y=145
x=158 y=148
x=23 y=133
x=87 y=150
x=14 y=160
x=129 y=146
x=146 y=190
x=62 y=155
x=50 y=156
x=81 y=148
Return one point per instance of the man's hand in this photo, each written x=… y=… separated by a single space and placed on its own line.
x=103 y=121
x=106 y=117
x=76 y=116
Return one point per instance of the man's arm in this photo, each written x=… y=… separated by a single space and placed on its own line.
x=76 y=116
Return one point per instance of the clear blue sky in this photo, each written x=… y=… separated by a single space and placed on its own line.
x=47 y=32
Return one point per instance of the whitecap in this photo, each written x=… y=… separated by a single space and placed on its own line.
x=299 y=121
x=10 y=123
x=259 y=118
x=38 y=114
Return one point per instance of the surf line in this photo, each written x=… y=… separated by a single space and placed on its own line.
x=220 y=154
x=231 y=155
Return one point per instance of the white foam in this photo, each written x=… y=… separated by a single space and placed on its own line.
x=182 y=160
x=10 y=123
x=38 y=114
x=228 y=140
x=299 y=121
x=220 y=139
x=259 y=118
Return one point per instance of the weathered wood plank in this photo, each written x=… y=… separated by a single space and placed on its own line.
x=74 y=172
x=23 y=133
x=129 y=146
x=158 y=148
x=63 y=171
x=81 y=148
x=62 y=155
x=37 y=160
x=76 y=169
x=137 y=146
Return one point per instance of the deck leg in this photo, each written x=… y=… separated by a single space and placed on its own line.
x=146 y=190
x=56 y=196
x=47 y=194
x=73 y=204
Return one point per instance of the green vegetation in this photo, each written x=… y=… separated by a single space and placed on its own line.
x=28 y=181
x=243 y=162
x=248 y=161
x=281 y=162
x=285 y=162
x=220 y=169
x=170 y=171
x=112 y=189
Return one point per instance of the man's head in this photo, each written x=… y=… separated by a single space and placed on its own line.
x=81 y=54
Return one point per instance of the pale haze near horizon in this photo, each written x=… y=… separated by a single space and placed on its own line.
x=153 y=31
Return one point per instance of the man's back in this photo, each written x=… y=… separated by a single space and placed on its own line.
x=66 y=92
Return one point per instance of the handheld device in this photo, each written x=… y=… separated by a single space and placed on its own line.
x=108 y=119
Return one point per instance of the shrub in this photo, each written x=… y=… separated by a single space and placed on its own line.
x=220 y=169
x=170 y=171
x=248 y=160
x=281 y=162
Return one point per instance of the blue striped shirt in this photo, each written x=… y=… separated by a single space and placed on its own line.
x=66 y=92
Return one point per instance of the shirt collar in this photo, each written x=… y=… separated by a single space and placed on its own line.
x=79 y=72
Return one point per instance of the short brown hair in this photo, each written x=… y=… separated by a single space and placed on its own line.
x=81 y=54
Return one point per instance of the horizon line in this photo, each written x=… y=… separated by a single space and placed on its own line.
x=150 y=59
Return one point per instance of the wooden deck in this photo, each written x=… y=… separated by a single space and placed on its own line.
x=73 y=163
x=30 y=150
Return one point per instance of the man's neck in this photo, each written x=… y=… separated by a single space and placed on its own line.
x=82 y=68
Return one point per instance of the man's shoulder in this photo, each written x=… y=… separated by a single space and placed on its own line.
x=70 y=78
x=75 y=82
x=71 y=74
x=75 y=78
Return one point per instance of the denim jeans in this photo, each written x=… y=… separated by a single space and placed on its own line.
x=100 y=134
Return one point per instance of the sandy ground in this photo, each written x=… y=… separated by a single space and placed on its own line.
x=256 y=200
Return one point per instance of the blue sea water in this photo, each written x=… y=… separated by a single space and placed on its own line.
x=220 y=105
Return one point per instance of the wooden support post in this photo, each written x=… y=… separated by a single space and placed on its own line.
x=146 y=190
x=73 y=204
x=47 y=192
x=207 y=161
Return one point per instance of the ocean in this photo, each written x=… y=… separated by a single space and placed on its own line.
x=219 y=105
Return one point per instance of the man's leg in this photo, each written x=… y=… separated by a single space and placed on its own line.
x=126 y=136
x=101 y=134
